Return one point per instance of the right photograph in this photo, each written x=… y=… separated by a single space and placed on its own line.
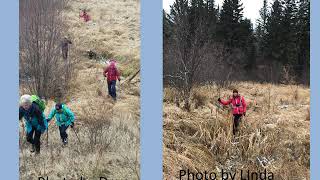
x=236 y=100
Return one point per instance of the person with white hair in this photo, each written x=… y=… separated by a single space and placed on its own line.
x=34 y=120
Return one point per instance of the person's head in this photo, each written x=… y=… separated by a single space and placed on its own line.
x=25 y=101
x=113 y=62
x=235 y=92
x=59 y=107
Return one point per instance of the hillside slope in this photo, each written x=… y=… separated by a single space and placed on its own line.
x=108 y=132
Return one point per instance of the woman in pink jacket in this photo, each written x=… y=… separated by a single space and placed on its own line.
x=239 y=108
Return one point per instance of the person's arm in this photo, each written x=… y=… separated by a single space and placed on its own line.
x=39 y=115
x=244 y=105
x=21 y=113
x=69 y=114
x=51 y=115
x=225 y=102
x=105 y=71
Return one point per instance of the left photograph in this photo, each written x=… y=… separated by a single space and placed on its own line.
x=79 y=88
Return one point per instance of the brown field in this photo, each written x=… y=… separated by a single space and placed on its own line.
x=274 y=135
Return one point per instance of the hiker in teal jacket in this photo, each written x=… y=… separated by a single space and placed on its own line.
x=34 y=120
x=64 y=118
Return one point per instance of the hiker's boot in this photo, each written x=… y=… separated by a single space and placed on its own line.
x=32 y=148
x=65 y=141
x=37 y=149
x=37 y=152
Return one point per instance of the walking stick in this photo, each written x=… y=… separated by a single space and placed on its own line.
x=49 y=123
x=48 y=137
x=76 y=135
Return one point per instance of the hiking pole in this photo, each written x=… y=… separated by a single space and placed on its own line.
x=76 y=135
x=48 y=137
x=49 y=123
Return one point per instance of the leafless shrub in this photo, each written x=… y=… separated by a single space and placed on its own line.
x=42 y=71
x=186 y=52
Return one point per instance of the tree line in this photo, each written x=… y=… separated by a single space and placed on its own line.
x=203 y=42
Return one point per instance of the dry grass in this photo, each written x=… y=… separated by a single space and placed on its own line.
x=275 y=131
x=108 y=131
x=113 y=32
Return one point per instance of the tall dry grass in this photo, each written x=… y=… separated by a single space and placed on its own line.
x=274 y=135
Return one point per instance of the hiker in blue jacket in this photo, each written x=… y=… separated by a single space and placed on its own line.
x=64 y=118
x=34 y=121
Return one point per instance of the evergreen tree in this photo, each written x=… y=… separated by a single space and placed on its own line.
x=212 y=19
x=229 y=23
x=303 y=40
x=289 y=34
x=261 y=27
x=273 y=47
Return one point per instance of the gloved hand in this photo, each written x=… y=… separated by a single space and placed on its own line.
x=72 y=125
x=244 y=114
x=219 y=100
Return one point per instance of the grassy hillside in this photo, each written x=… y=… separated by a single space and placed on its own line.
x=108 y=131
x=274 y=135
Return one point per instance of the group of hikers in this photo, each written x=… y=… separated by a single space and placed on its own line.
x=31 y=107
x=32 y=110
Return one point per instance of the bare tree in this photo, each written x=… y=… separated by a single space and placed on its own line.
x=42 y=70
x=187 y=51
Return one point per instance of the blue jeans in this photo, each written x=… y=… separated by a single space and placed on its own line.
x=112 y=89
x=63 y=132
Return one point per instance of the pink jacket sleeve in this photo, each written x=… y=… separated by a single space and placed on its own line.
x=244 y=105
x=105 y=70
x=226 y=102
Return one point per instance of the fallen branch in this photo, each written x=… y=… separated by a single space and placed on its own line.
x=131 y=77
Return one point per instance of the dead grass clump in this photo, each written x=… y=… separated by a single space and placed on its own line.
x=198 y=99
x=171 y=95
x=308 y=115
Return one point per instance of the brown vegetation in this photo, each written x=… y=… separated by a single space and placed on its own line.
x=274 y=135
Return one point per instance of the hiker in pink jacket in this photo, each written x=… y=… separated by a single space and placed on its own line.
x=239 y=108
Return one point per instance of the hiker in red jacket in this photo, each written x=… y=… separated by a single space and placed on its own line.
x=239 y=108
x=85 y=15
x=112 y=74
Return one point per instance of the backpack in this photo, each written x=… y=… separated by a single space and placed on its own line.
x=240 y=104
x=112 y=71
x=37 y=100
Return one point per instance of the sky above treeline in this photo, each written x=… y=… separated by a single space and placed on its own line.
x=251 y=8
